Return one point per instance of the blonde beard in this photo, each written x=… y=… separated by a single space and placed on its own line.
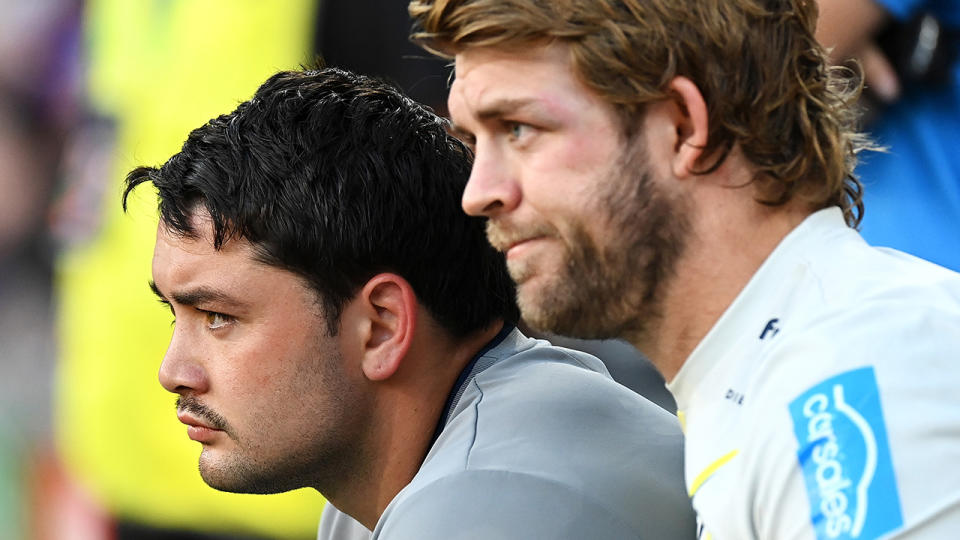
x=602 y=291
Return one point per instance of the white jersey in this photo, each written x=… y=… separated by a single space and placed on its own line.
x=539 y=442
x=825 y=402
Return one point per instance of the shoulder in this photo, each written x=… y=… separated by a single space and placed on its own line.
x=565 y=378
x=845 y=272
x=859 y=406
x=902 y=334
x=872 y=306
x=545 y=418
x=886 y=353
x=850 y=396
x=495 y=504
x=548 y=398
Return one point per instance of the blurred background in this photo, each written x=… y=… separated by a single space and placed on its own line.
x=90 y=447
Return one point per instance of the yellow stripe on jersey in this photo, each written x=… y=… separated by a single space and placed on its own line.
x=708 y=472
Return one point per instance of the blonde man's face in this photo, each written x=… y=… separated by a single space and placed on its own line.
x=585 y=226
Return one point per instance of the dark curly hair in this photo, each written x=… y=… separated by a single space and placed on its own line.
x=337 y=177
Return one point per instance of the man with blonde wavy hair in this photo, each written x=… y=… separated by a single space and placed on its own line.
x=679 y=173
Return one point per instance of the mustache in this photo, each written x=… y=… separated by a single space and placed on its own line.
x=192 y=405
x=502 y=234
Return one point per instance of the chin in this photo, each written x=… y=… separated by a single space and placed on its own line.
x=245 y=484
x=237 y=476
x=547 y=307
x=566 y=308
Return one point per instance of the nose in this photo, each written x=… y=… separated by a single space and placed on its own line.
x=180 y=371
x=492 y=189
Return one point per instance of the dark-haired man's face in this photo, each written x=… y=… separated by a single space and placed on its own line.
x=261 y=383
x=589 y=231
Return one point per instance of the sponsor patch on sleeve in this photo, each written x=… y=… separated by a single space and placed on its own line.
x=845 y=457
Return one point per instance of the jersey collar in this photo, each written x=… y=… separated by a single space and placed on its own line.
x=469 y=372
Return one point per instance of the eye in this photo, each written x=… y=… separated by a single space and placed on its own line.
x=518 y=130
x=216 y=320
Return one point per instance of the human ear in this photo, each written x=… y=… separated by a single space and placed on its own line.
x=389 y=305
x=688 y=112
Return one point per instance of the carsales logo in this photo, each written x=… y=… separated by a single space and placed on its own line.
x=845 y=458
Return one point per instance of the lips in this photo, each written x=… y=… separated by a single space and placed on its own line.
x=501 y=242
x=191 y=420
x=197 y=430
x=504 y=237
x=511 y=248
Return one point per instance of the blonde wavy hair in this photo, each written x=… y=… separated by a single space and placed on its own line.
x=766 y=81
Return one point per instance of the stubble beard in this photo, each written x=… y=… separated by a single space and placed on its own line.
x=326 y=459
x=614 y=290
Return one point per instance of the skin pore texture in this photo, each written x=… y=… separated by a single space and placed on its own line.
x=277 y=401
x=608 y=235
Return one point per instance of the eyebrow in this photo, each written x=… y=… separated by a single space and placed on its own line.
x=198 y=296
x=504 y=106
x=496 y=109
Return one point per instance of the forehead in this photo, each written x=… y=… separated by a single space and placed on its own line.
x=488 y=79
x=184 y=263
x=180 y=261
x=176 y=249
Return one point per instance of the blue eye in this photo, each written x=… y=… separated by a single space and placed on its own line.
x=517 y=129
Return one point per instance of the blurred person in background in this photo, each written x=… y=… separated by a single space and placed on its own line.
x=27 y=351
x=908 y=50
x=27 y=167
x=27 y=171
x=38 y=106
x=155 y=70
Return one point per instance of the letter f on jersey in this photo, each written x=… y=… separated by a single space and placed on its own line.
x=771 y=328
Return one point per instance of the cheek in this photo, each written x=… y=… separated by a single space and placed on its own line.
x=247 y=381
x=569 y=172
x=250 y=370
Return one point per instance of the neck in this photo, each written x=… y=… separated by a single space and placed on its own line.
x=731 y=236
x=409 y=407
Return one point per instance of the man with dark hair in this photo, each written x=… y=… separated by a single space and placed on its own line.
x=679 y=173
x=341 y=325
